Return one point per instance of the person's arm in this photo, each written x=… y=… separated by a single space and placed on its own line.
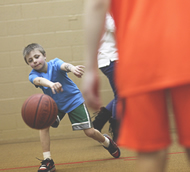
x=76 y=70
x=95 y=12
x=55 y=87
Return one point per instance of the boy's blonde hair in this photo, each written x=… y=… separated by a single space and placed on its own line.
x=32 y=47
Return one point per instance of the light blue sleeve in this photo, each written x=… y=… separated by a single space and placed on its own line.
x=32 y=76
x=58 y=63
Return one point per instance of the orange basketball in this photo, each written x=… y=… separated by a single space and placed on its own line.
x=39 y=111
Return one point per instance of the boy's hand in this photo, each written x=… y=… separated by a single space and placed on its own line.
x=78 y=70
x=56 y=87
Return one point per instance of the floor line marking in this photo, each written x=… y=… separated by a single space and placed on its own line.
x=132 y=158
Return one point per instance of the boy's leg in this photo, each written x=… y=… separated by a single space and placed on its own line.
x=105 y=140
x=94 y=134
x=47 y=164
x=80 y=119
x=45 y=139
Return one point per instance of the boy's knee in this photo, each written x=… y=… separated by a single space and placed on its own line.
x=89 y=132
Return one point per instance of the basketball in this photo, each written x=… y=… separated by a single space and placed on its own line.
x=39 y=111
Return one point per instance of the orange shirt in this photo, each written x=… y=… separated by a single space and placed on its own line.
x=153 y=38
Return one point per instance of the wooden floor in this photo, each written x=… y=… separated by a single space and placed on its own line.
x=77 y=153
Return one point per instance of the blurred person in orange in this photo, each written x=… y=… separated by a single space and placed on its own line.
x=153 y=40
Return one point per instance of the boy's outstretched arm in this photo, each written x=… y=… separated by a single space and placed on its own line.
x=76 y=70
x=95 y=13
x=55 y=87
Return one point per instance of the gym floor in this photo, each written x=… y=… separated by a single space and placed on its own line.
x=76 y=152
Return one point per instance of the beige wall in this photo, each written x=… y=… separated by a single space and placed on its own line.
x=57 y=26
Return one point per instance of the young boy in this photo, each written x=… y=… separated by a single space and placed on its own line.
x=52 y=78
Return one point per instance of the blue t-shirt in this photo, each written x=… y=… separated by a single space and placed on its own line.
x=71 y=97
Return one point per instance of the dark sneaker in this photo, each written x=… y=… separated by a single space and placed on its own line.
x=47 y=166
x=56 y=123
x=113 y=128
x=113 y=148
x=102 y=117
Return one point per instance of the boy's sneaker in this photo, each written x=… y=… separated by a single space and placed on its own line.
x=113 y=148
x=47 y=165
x=56 y=123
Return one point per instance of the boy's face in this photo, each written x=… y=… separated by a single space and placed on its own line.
x=36 y=60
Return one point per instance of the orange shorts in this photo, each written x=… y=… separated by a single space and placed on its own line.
x=144 y=119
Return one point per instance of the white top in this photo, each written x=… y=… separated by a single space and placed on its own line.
x=107 y=51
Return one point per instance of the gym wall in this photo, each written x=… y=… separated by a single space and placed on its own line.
x=58 y=26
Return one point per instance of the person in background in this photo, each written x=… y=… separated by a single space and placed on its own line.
x=153 y=39
x=107 y=57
